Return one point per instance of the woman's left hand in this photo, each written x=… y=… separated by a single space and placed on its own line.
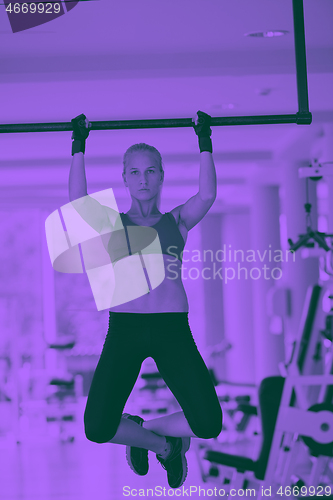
x=202 y=122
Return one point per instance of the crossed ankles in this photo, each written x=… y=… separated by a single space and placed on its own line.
x=172 y=459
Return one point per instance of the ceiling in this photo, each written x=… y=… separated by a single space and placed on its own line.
x=148 y=59
x=104 y=26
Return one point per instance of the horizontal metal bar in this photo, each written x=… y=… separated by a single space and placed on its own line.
x=299 y=118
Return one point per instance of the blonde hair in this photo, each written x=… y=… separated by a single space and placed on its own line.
x=141 y=147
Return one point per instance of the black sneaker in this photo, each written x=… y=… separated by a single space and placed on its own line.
x=137 y=458
x=176 y=463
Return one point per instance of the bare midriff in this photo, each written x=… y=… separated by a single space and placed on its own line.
x=169 y=296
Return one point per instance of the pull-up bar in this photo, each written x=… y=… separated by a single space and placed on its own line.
x=302 y=117
x=299 y=118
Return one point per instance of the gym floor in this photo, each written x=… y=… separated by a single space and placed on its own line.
x=81 y=470
x=47 y=469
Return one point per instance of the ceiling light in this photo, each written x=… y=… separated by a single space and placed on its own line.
x=267 y=34
x=264 y=91
x=229 y=105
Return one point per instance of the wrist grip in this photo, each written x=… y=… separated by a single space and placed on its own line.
x=205 y=144
x=78 y=146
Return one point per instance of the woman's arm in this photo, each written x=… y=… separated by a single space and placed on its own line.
x=77 y=174
x=77 y=178
x=89 y=209
x=195 y=208
x=207 y=177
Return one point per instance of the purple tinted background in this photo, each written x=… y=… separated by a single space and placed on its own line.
x=130 y=74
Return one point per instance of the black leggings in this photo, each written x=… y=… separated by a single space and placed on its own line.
x=167 y=338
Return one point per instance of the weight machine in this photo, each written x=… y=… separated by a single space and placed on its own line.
x=295 y=412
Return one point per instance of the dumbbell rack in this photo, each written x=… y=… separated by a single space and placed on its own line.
x=61 y=400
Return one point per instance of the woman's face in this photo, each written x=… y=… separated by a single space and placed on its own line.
x=143 y=176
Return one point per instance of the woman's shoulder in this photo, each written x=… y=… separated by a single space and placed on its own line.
x=175 y=212
x=182 y=228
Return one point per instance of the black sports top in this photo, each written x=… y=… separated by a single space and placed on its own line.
x=172 y=243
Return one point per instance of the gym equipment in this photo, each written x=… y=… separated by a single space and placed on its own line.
x=270 y=393
x=279 y=419
x=321 y=165
x=317 y=448
x=312 y=426
x=238 y=400
x=302 y=117
x=306 y=353
x=316 y=170
x=238 y=424
x=298 y=118
x=308 y=357
x=310 y=390
x=311 y=236
x=61 y=399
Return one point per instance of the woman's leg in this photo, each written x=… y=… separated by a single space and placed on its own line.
x=174 y=424
x=184 y=371
x=132 y=434
x=115 y=375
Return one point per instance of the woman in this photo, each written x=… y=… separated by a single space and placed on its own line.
x=155 y=324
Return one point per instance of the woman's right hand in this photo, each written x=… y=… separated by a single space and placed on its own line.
x=81 y=128
x=202 y=128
